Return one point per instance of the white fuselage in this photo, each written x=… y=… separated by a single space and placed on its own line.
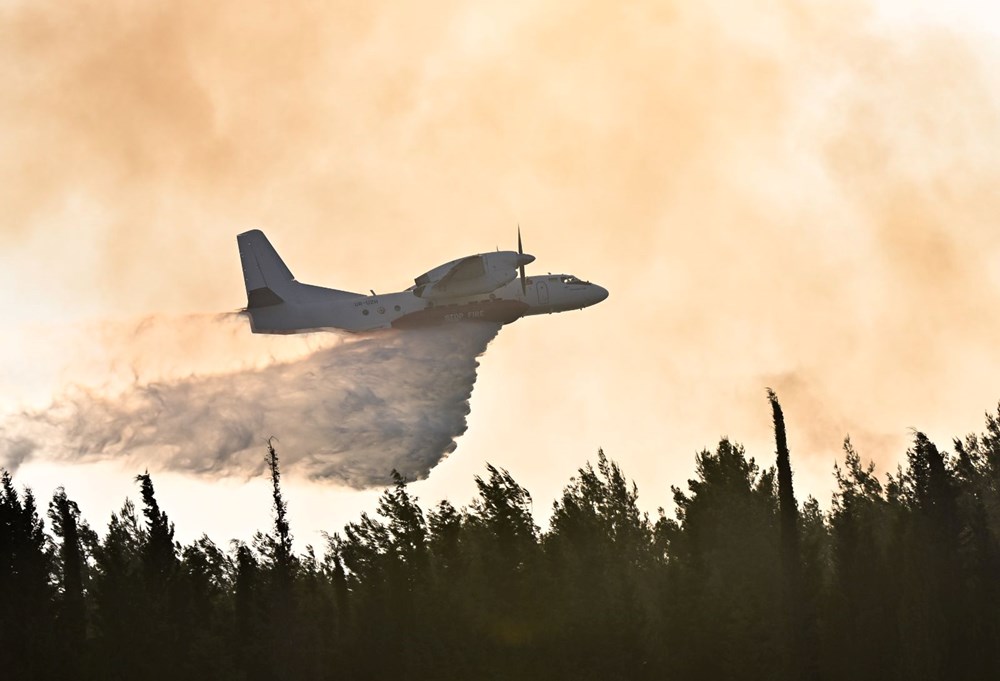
x=484 y=287
x=542 y=295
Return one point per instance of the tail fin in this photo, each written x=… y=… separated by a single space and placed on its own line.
x=266 y=276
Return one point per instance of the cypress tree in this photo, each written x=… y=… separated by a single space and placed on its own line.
x=787 y=507
x=801 y=658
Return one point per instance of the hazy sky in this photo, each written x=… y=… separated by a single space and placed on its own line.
x=801 y=195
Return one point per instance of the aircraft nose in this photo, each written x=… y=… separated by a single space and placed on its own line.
x=600 y=293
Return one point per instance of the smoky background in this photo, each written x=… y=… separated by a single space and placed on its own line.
x=795 y=195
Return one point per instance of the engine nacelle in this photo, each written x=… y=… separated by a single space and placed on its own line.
x=475 y=275
x=460 y=289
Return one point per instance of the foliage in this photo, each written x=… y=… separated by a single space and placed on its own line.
x=899 y=579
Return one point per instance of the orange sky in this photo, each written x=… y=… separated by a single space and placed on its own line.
x=799 y=195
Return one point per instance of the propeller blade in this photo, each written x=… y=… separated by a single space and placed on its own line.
x=520 y=251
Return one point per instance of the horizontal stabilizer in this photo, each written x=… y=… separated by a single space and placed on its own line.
x=262 y=297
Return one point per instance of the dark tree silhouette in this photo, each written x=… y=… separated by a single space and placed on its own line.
x=800 y=629
x=862 y=612
x=786 y=495
x=599 y=554
x=282 y=542
x=119 y=597
x=897 y=581
x=249 y=611
x=162 y=618
x=386 y=559
x=930 y=625
x=76 y=543
x=726 y=587
x=26 y=607
x=277 y=589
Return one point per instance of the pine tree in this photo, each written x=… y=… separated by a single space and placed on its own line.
x=979 y=554
x=862 y=611
x=121 y=622
x=599 y=554
x=26 y=614
x=502 y=541
x=203 y=598
x=386 y=558
x=163 y=611
x=930 y=619
x=724 y=597
x=251 y=621
x=76 y=542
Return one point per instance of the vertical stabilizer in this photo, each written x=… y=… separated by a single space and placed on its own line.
x=276 y=303
x=266 y=276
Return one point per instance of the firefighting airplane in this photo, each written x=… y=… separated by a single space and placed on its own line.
x=484 y=287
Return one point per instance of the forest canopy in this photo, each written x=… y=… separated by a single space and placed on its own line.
x=899 y=579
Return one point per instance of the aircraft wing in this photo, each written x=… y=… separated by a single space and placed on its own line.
x=464 y=270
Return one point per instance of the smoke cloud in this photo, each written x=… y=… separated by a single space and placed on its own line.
x=799 y=194
x=346 y=409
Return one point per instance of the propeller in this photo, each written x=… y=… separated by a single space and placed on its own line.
x=520 y=252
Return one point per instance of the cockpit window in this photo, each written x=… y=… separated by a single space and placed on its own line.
x=573 y=281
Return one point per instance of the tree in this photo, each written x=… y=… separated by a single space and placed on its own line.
x=599 y=559
x=724 y=594
x=863 y=607
x=119 y=596
x=504 y=600
x=800 y=631
x=77 y=542
x=159 y=553
x=977 y=503
x=163 y=610
x=250 y=614
x=930 y=617
x=26 y=615
x=203 y=595
x=385 y=558
x=788 y=508
x=444 y=599
x=277 y=575
x=281 y=543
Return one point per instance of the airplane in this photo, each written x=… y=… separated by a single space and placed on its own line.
x=488 y=287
